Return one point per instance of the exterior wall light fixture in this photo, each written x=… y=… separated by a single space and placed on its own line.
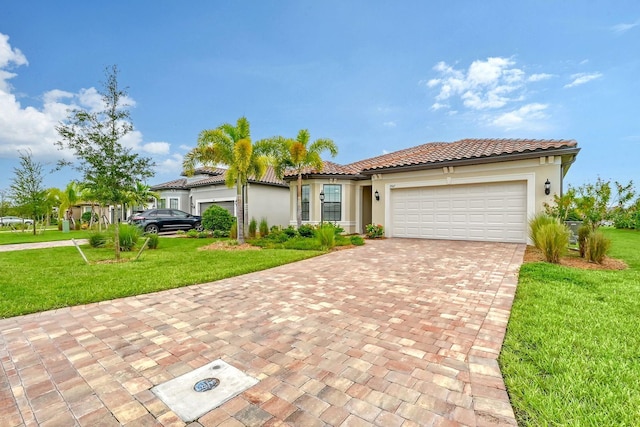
x=547 y=187
x=377 y=195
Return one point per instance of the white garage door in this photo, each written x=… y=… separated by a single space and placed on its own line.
x=487 y=212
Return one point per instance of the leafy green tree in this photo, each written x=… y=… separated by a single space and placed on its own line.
x=229 y=145
x=26 y=188
x=109 y=169
x=299 y=154
x=592 y=202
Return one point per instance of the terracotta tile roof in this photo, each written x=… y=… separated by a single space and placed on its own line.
x=438 y=152
x=176 y=184
x=216 y=177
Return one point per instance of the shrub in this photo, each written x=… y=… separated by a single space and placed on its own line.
x=129 y=236
x=253 y=227
x=154 y=240
x=86 y=217
x=536 y=223
x=264 y=227
x=306 y=230
x=220 y=234
x=192 y=234
x=374 y=231
x=217 y=218
x=357 y=240
x=233 y=229
x=597 y=247
x=97 y=240
x=552 y=239
x=326 y=236
x=303 y=244
x=290 y=231
x=583 y=236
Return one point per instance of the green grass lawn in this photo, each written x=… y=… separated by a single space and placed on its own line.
x=42 y=279
x=8 y=237
x=572 y=351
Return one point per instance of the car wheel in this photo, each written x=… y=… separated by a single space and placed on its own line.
x=198 y=226
x=152 y=229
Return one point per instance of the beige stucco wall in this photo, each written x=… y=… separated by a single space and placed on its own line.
x=269 y=202
x=533 y=171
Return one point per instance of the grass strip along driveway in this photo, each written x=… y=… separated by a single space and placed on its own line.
x=44 y=279
x=571 y=355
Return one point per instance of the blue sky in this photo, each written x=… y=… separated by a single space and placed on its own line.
x=374 y=76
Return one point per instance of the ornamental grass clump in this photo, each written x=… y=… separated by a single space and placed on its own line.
x=584 y=232
x=326 y=236
x=264 y=227
x=550 y=236
x=597 y=247
x=128 y=237
x=253 y=228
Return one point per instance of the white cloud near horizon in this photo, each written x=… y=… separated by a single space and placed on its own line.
x=582 y=78
x=34 y=129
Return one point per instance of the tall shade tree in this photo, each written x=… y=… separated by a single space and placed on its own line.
x=26 y=188
x=299 y=154
x=229 y=145
x=109 y=169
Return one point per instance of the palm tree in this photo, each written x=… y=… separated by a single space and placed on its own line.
x=231 y=146
x=67 y=198
x=141 y=194
x=298 y=154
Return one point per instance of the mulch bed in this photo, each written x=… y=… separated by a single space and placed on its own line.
x=572 y=259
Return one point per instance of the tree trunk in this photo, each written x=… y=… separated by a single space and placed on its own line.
x=116 y=236
x=299 y=201
x=240 y=217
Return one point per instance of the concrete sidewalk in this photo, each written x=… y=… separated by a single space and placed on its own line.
x=40 y=245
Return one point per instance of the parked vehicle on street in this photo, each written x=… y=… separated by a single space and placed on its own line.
x=6 y=221
x=157 y=220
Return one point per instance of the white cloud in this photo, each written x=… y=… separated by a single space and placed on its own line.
x=389 y=124
x=485 y=85
x=539 y=77
x=582 y=78
x=171 y=166
x=186 y=147
x=32 y=128
x=156 y=147
x=526 y=117
x=623 y=28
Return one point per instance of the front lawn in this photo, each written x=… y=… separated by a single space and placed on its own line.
x=572 y=351
x=8 y=237
x=43 y=279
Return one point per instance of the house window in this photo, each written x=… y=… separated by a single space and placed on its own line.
x=305 y=202
x=173 y=203
x=332 y=208
x=162 y=203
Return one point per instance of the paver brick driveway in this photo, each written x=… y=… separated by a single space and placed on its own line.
x=397 y=332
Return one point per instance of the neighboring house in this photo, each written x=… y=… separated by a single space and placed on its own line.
x=472 y=189
x=267 y=197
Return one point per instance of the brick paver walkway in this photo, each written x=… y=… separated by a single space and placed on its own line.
x=394 y=333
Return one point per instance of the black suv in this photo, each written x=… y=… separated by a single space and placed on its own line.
x=156 y=220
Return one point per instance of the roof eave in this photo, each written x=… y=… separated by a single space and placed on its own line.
x=573 y=151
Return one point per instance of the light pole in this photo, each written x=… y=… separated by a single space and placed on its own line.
x=321 y=207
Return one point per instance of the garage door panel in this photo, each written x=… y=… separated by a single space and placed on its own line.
x=485 y=212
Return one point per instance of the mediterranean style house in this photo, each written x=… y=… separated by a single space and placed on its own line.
x=472 y=189
x=267 y=197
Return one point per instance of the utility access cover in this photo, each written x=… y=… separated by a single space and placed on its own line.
x=197 y=392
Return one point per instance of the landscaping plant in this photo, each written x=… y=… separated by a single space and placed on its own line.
x=97 y=240
x=264 y=227
x=326 y=236
x=306 y=230
x=374 y=231
x=598 y=246
x=128 y=237
x=253 y=228
x=583 y=237
x=550 y=236
x=217 y=218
